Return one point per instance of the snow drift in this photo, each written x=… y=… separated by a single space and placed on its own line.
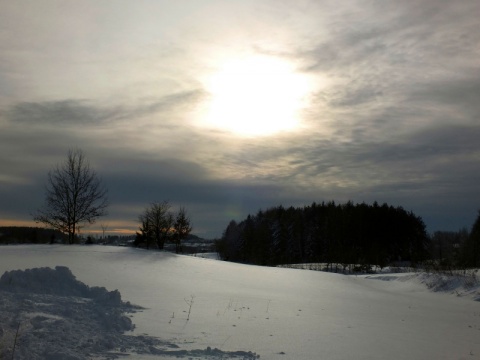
x=47 y=314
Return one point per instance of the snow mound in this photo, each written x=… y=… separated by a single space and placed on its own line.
x=457 y=284
x=48 y=314
x=59 y=281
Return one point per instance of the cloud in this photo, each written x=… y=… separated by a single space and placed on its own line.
x=210 y=202
x=455 y=98
x=381 y=53
x=83 y=112
x=59 y=112
x=394 y=118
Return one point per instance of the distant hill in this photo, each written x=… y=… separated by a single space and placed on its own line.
x=193 y=244
x=29 y=235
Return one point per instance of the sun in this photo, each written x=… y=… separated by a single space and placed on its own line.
x=255 y=96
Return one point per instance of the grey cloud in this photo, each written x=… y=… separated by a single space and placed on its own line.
x=460 y=93
x=57 y=112
x=389 y=49
x=433 y=160
x=21 y=199
x=397 y=121
x=83 y=112
x=435 y=144
x=209 y=201
x=173 y=102
x=426 y=172
x=353 y=96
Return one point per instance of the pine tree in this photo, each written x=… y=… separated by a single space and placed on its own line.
x=182 y=227
x=471 y=249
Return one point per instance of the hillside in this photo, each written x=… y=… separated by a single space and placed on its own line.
x=206 y=309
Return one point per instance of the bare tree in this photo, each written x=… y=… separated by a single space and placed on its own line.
x=157 y=222
x=182 y=228
x=75 y=195
x=161 y=220
x=104 y=229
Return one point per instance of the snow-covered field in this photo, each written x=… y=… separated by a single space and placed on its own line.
x=234 y=311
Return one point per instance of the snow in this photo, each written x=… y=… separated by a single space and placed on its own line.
x=237 y=311
x=50 y=309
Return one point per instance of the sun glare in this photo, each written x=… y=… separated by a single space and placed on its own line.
x=255 y=96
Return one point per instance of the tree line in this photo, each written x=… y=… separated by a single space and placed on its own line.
x=29 y=235
x=361 y=234
x=456 y=249
x=328 y=233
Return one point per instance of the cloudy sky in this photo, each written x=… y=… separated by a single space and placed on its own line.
x=226 y=107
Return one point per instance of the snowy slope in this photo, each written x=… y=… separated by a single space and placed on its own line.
x=275 y=313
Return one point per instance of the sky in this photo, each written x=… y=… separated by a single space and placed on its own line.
x=228 y=107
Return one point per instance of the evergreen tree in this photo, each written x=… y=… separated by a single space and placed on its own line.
x=334 y=234
x=471 y=249
x=182 y=227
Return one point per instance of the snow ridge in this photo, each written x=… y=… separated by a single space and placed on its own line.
x=456 y=284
